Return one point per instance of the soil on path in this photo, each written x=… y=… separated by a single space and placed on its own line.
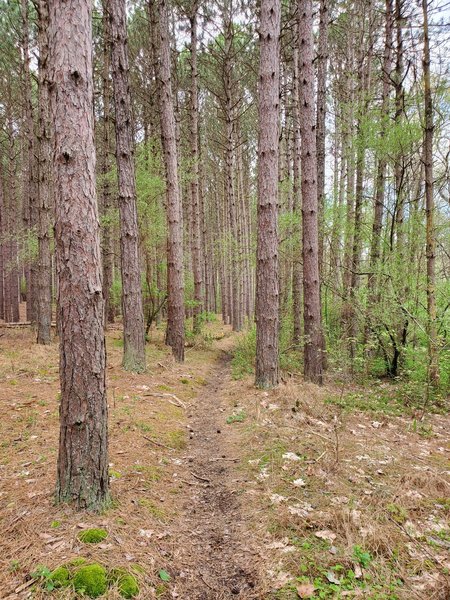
x=215 y=555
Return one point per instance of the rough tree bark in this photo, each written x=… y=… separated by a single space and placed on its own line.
x=105 y=166
x=296 y=206
x=195 y=198
x=433 y=357
x=313 y=357
x=229 y=104
x=372 y=283
x=29 y=191
x=82 y=461
x=43 y=280
x=322 y=63
x=132 y=309
x=267 y=246
x=175 y=280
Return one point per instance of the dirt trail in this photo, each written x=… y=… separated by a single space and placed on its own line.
x=214 y=555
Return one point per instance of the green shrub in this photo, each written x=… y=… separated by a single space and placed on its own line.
x=244 y=355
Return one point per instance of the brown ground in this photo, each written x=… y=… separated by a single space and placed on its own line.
x=228 y=510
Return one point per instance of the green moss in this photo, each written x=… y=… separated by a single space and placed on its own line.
x=126 y=582
x=128 y=586
x=91 y=580
x=155 y=511
x=60 y=577
x=92 y=536
x=77 y=562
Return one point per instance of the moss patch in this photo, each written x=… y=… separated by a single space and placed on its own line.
x=126 y=582
x=92 y=536
x=128 y=586
x=91 y=580
x=60 y=577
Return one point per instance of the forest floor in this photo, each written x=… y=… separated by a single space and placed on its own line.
x=224 y=491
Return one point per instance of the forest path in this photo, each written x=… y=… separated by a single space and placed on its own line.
x=214 y=556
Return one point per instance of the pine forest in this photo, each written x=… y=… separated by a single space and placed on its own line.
x=225 y=299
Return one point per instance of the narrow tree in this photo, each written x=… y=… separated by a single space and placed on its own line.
x=322 y=63
x=195 y=199
x=433 y=366
x=313 y=358
x=29 y=191
x=82 y=461
x=132 y=310
x=105 y=166
x=43 y=279
x=267 y=249
x=380 y=184
x=175 y=283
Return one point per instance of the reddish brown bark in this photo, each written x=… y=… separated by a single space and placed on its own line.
x=132 y=308
x=29 y=192
x=82 y=461
x=175 y=280
x=195 y=200
x=267 y=249
x=313 y=358
x=43 y=279
x=105 y=166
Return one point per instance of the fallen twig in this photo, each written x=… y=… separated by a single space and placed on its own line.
x=177 y=402
x=157 y=443
x=200 y=478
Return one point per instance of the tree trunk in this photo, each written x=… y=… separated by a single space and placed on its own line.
x=105 y=166
x=43 y=280
x=132 y=310
x=175 y=280
x=322 y=62
x=83 y=458
x=372 y=283
x=195 y=198
x=296 y=206
x=313 y=358
x=29 y=173
x=267 y=246
x=433 y=357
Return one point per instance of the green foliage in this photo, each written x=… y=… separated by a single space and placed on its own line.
x=244 y=354
x=115 y=294
x=164 y=575
x=92 y=536
x=44 y=575
x=14 y=566
x=245 y=351
x=236 y=417
x=363 y=558
x=91 y=580
x=397 y=513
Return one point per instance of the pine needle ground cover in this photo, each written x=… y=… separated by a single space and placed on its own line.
x=294 y=493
